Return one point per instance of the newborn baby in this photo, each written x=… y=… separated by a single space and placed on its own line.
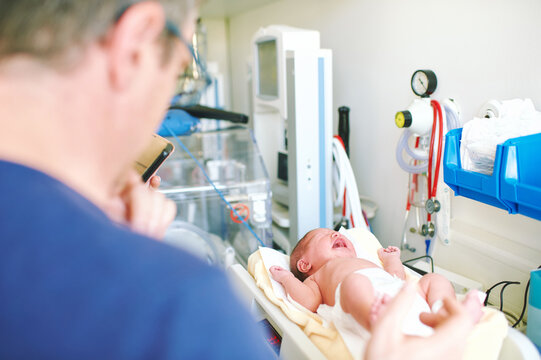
x=326 y=269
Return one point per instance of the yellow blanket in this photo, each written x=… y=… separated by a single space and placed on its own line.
x=484 y=342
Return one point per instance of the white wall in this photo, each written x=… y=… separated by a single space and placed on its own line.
x=218 y=51
x=479 y=50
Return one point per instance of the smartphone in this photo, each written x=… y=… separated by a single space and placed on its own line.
x=153 y=157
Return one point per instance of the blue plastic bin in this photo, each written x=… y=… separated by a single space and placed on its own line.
x=521 y=175
x=470 y=184
x=515 y=184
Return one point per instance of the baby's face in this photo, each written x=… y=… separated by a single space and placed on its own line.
x=324 y=245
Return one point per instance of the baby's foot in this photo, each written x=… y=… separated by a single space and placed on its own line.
x=391 y=252
x=378 y=306
x=473 y=306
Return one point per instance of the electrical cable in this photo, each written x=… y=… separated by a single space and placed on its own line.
x=492 y=288
x=502 y=290
x=220 y=194
x=421 y=257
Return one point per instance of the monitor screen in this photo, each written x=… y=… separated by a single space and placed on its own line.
x=267 y=68
x=273 y=338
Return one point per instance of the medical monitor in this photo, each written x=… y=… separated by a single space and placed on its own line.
x=270 y=48
x=267 y=69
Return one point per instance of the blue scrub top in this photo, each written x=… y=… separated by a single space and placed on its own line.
x=74 y=285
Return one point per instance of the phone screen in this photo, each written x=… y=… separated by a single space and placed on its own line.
x=153 y=156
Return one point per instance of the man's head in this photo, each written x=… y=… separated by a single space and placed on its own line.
x=56 y=31
x=315 y=249
x=99 y=74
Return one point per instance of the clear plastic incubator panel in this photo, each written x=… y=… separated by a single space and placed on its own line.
x=234 y=164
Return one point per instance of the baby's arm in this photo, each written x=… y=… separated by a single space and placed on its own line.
x=306 y=293
x=390 y=257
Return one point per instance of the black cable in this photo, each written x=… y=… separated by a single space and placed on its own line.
x=418 y=271
x=421 y=257
x=525 y=302
x=492 y=287
x=503 y=288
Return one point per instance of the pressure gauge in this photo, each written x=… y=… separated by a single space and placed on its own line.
x=424 y=82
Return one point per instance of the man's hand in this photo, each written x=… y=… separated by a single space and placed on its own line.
x=452 y=327
x=455 y=314
x=141 y=208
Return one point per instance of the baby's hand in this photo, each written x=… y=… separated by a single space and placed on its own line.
x=391 y=252
x=279 y=273
x=392 y=249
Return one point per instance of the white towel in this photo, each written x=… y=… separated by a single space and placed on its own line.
x=480 y=136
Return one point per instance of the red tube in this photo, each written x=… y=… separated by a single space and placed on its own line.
x=440 y=141
x=431 y=150
x=432 y=182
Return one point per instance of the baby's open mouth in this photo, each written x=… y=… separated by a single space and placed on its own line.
x=339 y=243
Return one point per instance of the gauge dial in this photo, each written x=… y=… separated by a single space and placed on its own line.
x=424 y=82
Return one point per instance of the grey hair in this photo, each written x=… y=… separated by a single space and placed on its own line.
x=48 y=29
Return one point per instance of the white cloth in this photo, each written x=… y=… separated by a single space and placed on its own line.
x=480 y=136
x=360 y=250
x=355 y=336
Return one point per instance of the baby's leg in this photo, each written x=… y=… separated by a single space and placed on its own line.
x=435 y=287
x=357 y=297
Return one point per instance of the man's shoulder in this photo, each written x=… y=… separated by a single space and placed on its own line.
x=43 y=214
x=105 y=287
x=29 y=192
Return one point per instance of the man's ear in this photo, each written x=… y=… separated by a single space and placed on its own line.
x=303 y=266
x=134 y=34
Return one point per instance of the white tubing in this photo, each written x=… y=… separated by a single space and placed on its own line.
x=343 y=178
x=418 y=155
x=414 y=153
x=452 y=113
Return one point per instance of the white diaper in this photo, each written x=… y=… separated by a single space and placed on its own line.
x=351 y=330
x=385 y=283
